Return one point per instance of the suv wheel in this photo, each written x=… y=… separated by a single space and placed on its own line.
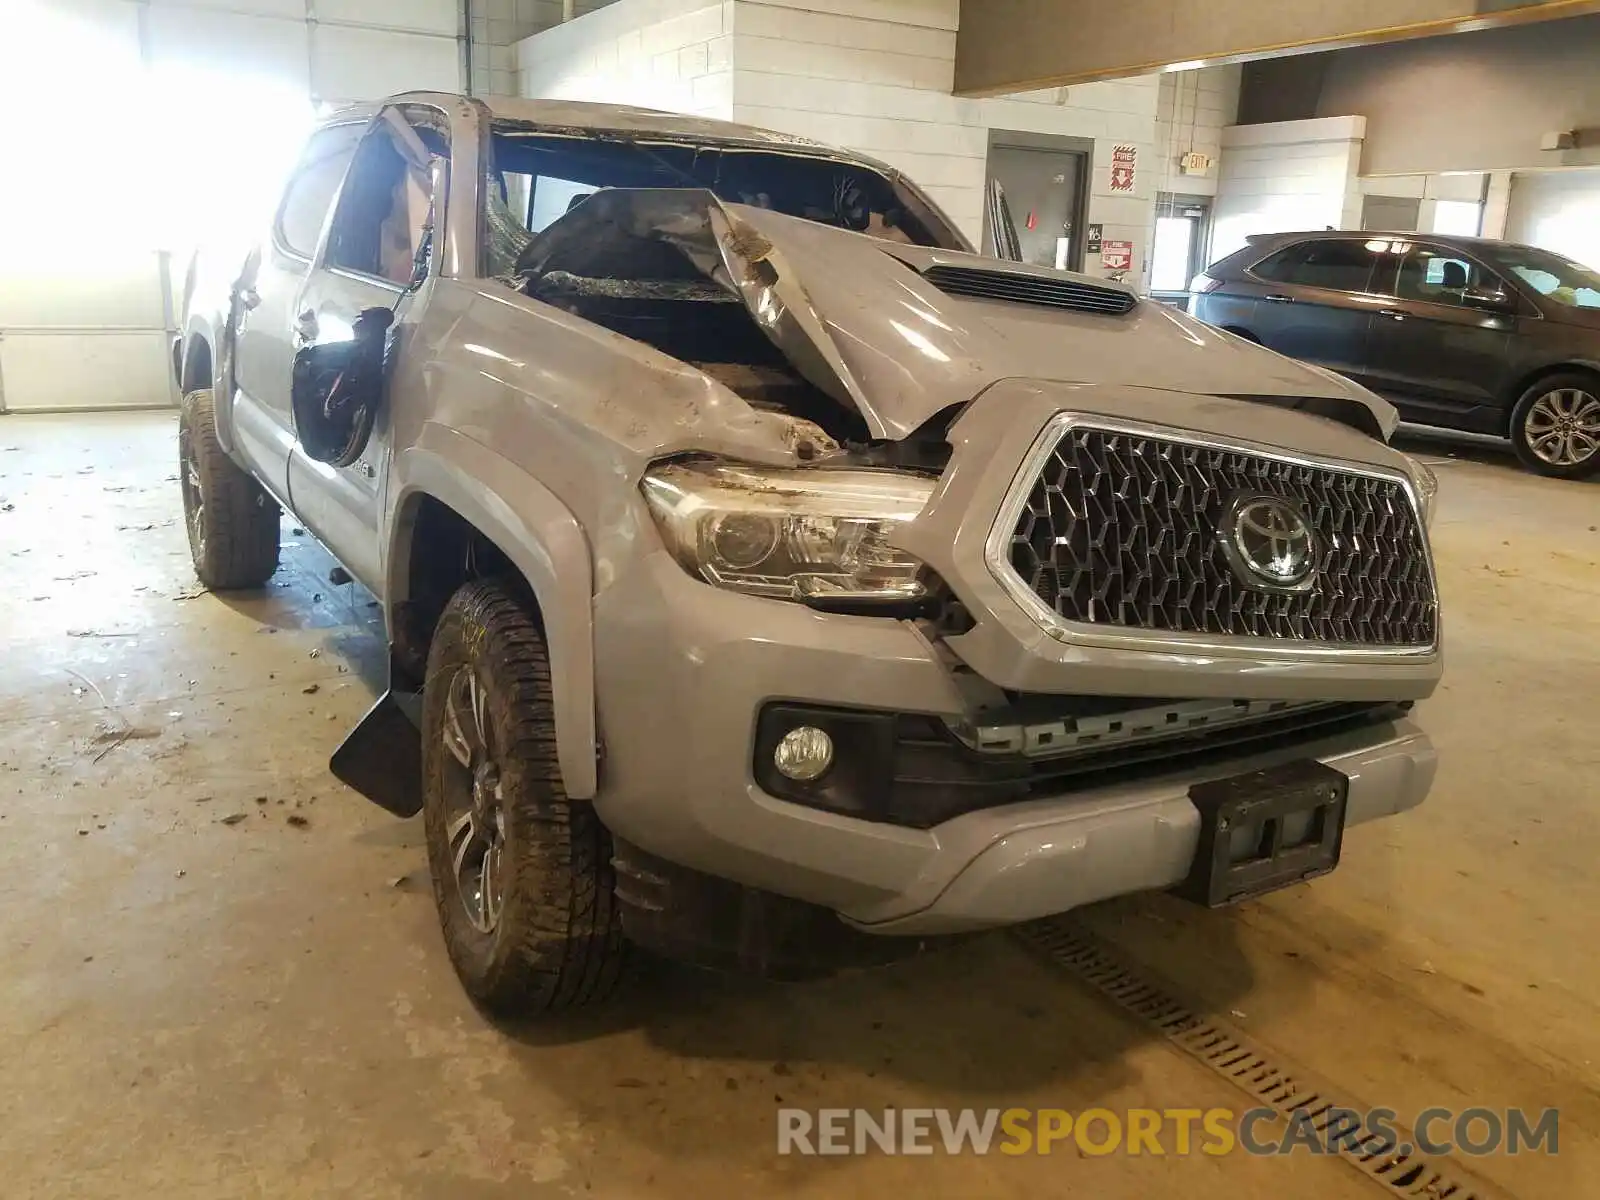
x=1556 y=426
x=521 y=874
x=233 y=523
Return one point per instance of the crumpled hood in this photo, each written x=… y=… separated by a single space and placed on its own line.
x=857 y=316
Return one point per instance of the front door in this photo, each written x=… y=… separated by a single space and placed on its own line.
x=1044 y=192
x=264 y=302
x=376 y=254
x=1442 y=357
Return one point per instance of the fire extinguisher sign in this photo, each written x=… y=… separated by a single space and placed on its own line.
x=1124 y=168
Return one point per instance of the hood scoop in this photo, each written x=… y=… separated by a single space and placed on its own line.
x=1044 y=291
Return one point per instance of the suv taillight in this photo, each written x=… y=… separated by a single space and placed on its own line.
x=1203 y=283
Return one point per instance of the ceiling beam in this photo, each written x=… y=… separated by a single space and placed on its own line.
x=1023 y=45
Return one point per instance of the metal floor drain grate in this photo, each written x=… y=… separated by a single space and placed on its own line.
x=1250 y=1066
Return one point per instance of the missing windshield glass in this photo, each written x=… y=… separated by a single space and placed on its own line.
x=539 y=176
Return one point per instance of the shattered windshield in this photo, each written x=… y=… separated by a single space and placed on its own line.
x=537 y=178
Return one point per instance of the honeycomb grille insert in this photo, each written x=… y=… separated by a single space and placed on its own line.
x=1122 y=530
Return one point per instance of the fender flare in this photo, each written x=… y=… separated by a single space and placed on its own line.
x=544 y=541
x=201 y=326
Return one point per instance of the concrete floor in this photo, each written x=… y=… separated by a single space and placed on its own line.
x=190 y=1007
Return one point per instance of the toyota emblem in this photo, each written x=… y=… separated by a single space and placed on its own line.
x=1269 y=544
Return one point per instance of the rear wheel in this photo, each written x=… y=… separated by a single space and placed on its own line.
x=233 y=523
x=1555 y=427
x=522 y=875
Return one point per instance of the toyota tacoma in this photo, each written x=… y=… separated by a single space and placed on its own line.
x=769 y=579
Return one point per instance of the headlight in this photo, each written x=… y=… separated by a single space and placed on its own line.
x=1427 y=489
x=792 y=535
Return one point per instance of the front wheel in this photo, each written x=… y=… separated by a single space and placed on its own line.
x=522 y=875
x=233 y=523
x=1555 y=427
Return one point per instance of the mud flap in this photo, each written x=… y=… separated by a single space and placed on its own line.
x=382 y=756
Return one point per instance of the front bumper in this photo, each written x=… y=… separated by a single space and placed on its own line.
x=684 y=671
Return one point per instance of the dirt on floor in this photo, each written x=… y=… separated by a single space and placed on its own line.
x=221 y=975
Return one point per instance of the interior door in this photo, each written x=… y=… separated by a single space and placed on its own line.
x=1178 y=253
x=1315 y=303
x=1438 y=355
x=376 y=254
x=264 y=301
x=1044 y=191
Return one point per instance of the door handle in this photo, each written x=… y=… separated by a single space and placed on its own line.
x=305 y=327
x=1279 y=298
x=1394 y=314
x=249 y=298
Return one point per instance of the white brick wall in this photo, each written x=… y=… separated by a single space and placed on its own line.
x=1196 y=106
x=871 y=75
x=1289 y=175
x=669 y=54
x=498 y=25
x=86 y=325
x=877 y=75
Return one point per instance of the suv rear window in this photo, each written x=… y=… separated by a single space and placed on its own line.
x=1338 y=265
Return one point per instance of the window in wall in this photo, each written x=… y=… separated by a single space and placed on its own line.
x=1458 y=218
x=1338 y=265
x=310 y=193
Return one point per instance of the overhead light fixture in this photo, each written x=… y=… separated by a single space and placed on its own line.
x=1193 y=64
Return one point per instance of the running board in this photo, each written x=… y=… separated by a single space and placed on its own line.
x=382 y=756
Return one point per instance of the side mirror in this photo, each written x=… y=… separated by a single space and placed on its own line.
x=336 y=388
x=1490 y=300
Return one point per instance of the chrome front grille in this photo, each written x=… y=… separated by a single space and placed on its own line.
x=1123 y=530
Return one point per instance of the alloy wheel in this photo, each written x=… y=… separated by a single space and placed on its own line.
x=475 y=823
x=194 y=505
x=1563 y=427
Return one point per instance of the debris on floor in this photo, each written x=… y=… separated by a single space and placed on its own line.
x=233 y=818
x=299 y=822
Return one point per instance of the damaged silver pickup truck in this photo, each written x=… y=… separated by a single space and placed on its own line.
x=771 y=581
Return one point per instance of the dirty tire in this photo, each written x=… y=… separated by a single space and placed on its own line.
x=232 y=521
x=557 y=944
x=1525 y=420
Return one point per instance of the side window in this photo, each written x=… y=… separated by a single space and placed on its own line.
x=1338 y=265
x=386 y=209
x=311 y=190
x=1439 y=277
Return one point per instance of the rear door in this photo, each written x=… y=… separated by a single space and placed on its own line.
x=376 y=254
x=264 y=304
x=1314 y=302
x=1437 y=351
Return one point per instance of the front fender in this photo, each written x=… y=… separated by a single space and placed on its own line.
x=533 y=529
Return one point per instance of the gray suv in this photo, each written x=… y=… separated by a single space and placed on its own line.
x=1461 y=333
x=771 y=581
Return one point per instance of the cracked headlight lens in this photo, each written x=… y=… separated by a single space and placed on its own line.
x=791 y=535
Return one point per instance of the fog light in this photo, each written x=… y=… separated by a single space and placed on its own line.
x=804 y=755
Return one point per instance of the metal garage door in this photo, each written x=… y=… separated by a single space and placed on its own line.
x=1559 y=211
x=163 y=122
